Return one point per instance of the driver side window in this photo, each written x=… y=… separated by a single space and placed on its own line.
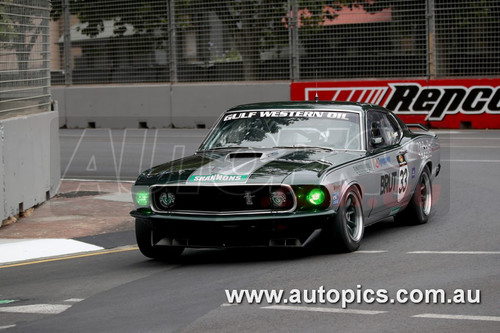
x=381 y=131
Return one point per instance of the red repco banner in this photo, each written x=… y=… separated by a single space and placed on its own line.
x=470 y=103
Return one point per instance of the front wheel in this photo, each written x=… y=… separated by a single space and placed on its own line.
x=420 y=206
x=346 y=231
x=146 y=239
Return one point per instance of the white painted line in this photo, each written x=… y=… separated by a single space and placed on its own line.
x=139 y=136
x=74 y=153
x=370 y=251
x=12 y=250
x=439 y=131
x=6 y=327
x=320 y=309
x=454 y=252
x=58 y=218
x=121 y=197
x=97 y=180
x=473 y=161
x=36 y=308
x=454 y=146
x=457 y=317
x=74 y=300
x=469 y=138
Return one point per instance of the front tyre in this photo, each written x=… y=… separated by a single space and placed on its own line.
x=346 y=231
x=420 y=206
x=145 y=239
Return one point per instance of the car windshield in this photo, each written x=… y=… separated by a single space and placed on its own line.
x=270 y=129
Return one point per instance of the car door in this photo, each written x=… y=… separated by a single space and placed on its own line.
x=388 y=163
x=402 y=162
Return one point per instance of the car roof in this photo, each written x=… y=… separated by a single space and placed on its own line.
x=307 y=105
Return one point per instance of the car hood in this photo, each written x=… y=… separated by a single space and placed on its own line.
x=257 y=166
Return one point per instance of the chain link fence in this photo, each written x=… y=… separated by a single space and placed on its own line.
x=133 y=41
x=467 y=38
x=214 y=40
x=24 y=57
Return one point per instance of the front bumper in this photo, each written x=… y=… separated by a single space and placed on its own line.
x=269 y=230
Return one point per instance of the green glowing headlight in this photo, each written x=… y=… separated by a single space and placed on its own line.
x=316 y=196
x=142 y=198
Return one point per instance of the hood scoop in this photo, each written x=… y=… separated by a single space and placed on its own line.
x=248 y=154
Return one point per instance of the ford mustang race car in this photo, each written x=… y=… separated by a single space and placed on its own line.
x=285 y=174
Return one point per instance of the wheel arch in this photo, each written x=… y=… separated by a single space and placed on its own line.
x=429 y=165
x=424 y=164
x=350 y=184
x=344 y=187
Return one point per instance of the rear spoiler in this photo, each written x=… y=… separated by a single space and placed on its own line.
x=419 y=126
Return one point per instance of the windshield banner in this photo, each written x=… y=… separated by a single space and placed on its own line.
x=286 y=114
x=450 y=103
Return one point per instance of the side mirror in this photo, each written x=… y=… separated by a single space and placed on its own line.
x=376 y=140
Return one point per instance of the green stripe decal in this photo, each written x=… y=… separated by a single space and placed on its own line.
x=217 y=178
x=6 y=301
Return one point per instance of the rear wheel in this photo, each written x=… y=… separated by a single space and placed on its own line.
x=346 y=231
x=420 y=206
x=145 y=239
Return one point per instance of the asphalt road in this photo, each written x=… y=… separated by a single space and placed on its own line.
x=122 y=154
x=121 y=291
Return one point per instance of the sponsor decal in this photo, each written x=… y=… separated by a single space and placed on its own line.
x=284 y=114
x=401 y=160
x=381 y=161
x=362 y=169
x=424 y=150
x=388 y=183
x=443 y=103
x=395 y=181
x=217 y=178
x=438 y=101
x=412 y=173
x=335 y=198
x=240 y=115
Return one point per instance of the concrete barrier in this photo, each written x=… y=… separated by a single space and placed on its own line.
x=159 y=106
x=30 y=161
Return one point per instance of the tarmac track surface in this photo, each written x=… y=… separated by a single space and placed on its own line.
x=121 y=291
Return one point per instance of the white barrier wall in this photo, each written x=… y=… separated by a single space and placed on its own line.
x=30 y=161
x=158 y=106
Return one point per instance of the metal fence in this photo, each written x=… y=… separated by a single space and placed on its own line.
x=24 y=57
x=224 y=40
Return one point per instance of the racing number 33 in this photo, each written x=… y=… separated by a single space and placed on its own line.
x=403 y=177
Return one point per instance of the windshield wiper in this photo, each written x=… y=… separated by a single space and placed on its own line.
x=307 y=147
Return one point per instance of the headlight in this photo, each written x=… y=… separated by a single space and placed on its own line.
x=310 y=197
x=316 y=196
x=141 y=197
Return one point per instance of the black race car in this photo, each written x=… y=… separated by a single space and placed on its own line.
x=284 y=174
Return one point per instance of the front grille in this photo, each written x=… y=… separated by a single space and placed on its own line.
x=220 y=200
